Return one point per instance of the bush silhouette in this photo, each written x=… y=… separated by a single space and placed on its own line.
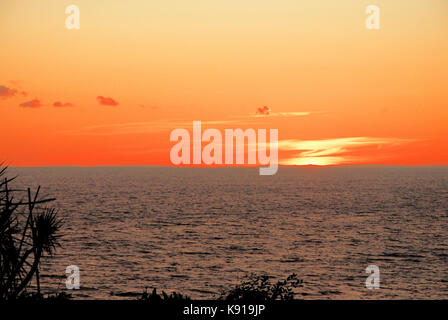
x=260 y=288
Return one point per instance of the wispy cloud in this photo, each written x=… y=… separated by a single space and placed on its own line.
x=142 y=127
x=331 y=151
x=161 y=125
x=290 y=114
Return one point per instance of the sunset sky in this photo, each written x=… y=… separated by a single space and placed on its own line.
x=111 y=92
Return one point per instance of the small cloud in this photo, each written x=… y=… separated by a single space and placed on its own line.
x=62 y=104
x=35 y=103
x=106 y=101
x=6 y=92
x=264 y=111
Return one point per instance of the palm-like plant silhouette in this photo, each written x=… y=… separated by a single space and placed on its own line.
x=28 y=232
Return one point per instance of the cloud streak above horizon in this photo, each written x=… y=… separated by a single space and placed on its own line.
x=331 y=151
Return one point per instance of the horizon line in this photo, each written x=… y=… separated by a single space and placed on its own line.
x=224 y=166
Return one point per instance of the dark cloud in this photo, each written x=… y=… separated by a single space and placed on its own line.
x=265 y=111
x=62 y=104
x=106 y=101
x=35 y=103
x=6 y=92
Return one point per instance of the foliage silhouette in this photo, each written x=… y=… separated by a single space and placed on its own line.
x=154 y=297
x=253 y=288
x=29 y=231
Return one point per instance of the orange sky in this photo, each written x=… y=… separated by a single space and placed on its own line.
x=135 y=70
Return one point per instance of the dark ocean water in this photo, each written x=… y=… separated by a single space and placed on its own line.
x=199 y=231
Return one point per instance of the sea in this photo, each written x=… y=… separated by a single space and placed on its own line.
x=201 y=231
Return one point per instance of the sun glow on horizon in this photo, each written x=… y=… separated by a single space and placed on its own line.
x=331 y=151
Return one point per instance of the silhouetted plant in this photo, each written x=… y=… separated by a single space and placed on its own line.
x=28 y=232
x=154 y=297
x=260 y=288
x=34 y=296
